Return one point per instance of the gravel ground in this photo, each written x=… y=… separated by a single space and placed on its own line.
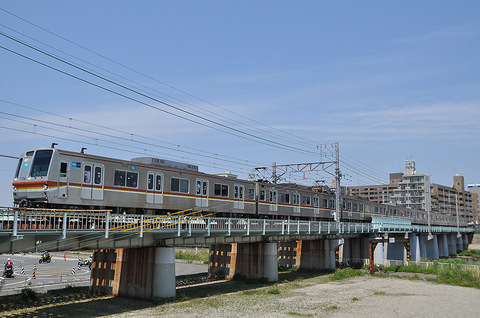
x=357 y=297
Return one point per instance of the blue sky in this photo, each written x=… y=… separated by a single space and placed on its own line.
x=246 y=84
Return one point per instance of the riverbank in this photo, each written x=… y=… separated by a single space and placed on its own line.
x=302 y=294
x=366 y=296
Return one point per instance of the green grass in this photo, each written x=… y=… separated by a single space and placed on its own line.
x=472 y=253
x=346 y=273
x=200 y=255
x=457 y=277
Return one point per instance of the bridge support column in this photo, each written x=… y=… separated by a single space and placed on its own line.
x=355 y=250
x=415 y=255
x=135 y=272
x=465 y=242
x=443 y=245
x=459 y=243
x=452 y=245
x=396 y=253
x=379 y=254
x=317 y=254
x=429 y=248
x=164 y=272
x=251 y=260
x=287 y=256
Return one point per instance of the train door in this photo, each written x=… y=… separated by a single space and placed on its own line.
x=92 y=185
x=63 y=183
x=296 y=202
x=201 y=194
x=155 y=188
x=273 y=200
x=239 y=201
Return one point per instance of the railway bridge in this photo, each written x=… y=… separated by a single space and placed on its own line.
x=134 y=254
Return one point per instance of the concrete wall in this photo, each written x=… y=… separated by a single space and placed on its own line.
x=134 y=272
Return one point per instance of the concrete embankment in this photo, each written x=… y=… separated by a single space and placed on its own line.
x=475 y=245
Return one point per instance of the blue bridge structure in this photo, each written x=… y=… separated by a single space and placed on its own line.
x=134 y=254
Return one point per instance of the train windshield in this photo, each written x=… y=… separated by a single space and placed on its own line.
x=41 y=163
x=18 y=167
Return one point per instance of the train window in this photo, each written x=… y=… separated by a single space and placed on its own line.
x=87 y=174
x=119 y=178
x=332 y=203
x=349 y=206
x=355 y=206
x=285 y=198
x=132 y=178
x=150 y=182
x=98 y=175
x=306 y=200
x=315 y=202
x=221 y=190
x=262 y=195
x=41 y=163
x=251 y=194
x=63 y=169
x=179 y=185
x=18 y=167
x=158 y=183
x=362 y=209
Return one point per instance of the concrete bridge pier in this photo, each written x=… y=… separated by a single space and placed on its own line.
x=380 y=253
x=317 y=254
x=395 y=251
x=143 y=272
x=442 y=245
x=459 y=243
x=415 y=250
x=354 y=250
x=466 y=242
x=452 y=244
x=251 y=260
x=429 y=248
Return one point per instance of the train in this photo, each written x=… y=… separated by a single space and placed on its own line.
x=54 y=178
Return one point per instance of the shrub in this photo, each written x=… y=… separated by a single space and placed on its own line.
x=29 y=295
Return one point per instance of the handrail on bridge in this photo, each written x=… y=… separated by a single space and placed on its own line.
x=17 y=222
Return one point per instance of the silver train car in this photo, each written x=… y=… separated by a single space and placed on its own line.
x=54 y=178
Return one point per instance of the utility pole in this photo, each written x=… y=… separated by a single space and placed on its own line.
x=329 y=154
x=458 y=217
x=428 y=200
x=338 y=189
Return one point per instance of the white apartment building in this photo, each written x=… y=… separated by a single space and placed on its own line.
x=411 y=189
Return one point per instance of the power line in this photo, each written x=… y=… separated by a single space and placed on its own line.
x=149 y=77
x=364 y=170
x=7 y=156
x=176 y=146
x=250 y=136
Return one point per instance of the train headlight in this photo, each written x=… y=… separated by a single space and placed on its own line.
x=45 y=187
x=14 y=188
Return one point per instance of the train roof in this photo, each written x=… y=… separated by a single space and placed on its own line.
x=165 y=163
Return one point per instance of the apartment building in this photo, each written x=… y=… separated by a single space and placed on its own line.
x=475 y=188
x=379 y=193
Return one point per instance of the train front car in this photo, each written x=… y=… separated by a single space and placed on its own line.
x=30 y=183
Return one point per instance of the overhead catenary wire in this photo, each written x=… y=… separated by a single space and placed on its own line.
x=229 y=130
x=297 y=138
x=174 y=147
x=351 y=165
